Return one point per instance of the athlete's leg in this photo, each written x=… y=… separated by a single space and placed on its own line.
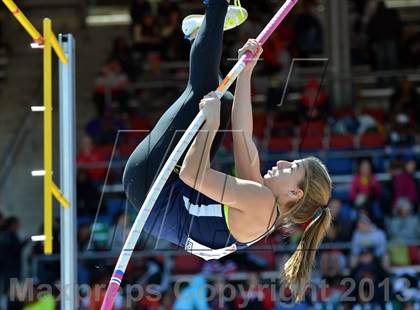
x=206 y=50
x=148 y=158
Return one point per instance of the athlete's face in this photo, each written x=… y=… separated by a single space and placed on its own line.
x=283 y=179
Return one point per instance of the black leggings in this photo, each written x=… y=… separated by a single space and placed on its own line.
x=151 y=154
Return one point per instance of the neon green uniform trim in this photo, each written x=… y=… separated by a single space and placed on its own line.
x=226 y=213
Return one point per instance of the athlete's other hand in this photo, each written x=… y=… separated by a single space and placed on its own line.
x=256 y=49
x=210 y=106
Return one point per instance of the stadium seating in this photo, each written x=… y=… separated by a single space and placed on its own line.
x=187 y=264
x=340 y=165
x=125 y=149
x=310 y=143
x=377 y=114
x=259 y=124
x=280 y=144
x=341 y=191
x=105 y=150
x=341 y=142
x=312 y=128
x=372 y=141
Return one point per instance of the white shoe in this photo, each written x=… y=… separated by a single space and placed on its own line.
x=235 y=16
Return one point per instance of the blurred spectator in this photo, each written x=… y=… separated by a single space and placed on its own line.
x=83 y=236
x=137 y=129
x=153 y=277
x=367 y=235
x=405 y=185
x=262 y=9
x=166 y=9
x=365 y=189
x=366 y=123
x=404 y=105
x=40 y=299
x=89 y=155
x=156 y=273
x=344 y=124
x=368 y=9
x=147 y=35
x=174 y=47
x=343 y=220
x=405 y=99
x=404 y=225
x=48 y=271
x=308 y=31
x=276 y=54
x=251 y=29
x=84 y=267
x=255 y=295
x=314 y=101
x=387 y=187
x=286 y=303
x=219 y=301
x=246 y=260
x=358 y=37
x=121 y=51
x=411 y=46
x=103 y=129
x=138 y=123
x=87 y=194
x=150 y=301
x=153 y=69
x=400 y=131
x=369 y=268
x=384 y=30
x=11 y=243
x=110 y=86
x=332 y=264
x=407 y=288
x=100 y=234
x=194 y=296
x=225 y=265
x=139 y=8
x=167 y=301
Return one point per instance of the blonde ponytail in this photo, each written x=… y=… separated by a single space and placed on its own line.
x=297 y=270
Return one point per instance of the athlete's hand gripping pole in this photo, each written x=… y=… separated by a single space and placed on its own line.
x=173 y=159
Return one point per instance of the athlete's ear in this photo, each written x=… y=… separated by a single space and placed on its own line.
x=296 y=194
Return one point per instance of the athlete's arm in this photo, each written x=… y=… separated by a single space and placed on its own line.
x=197 y=160
x=247 y=161
x=196 y=171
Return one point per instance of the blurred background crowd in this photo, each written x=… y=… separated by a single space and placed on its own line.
x=369 y=142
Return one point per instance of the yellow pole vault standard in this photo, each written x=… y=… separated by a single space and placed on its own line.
x=17 y=13
x=50 y=189
x=47 y=137
x=31 y=30
x=49 y=42
x=59 y=196
x=57 y=48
